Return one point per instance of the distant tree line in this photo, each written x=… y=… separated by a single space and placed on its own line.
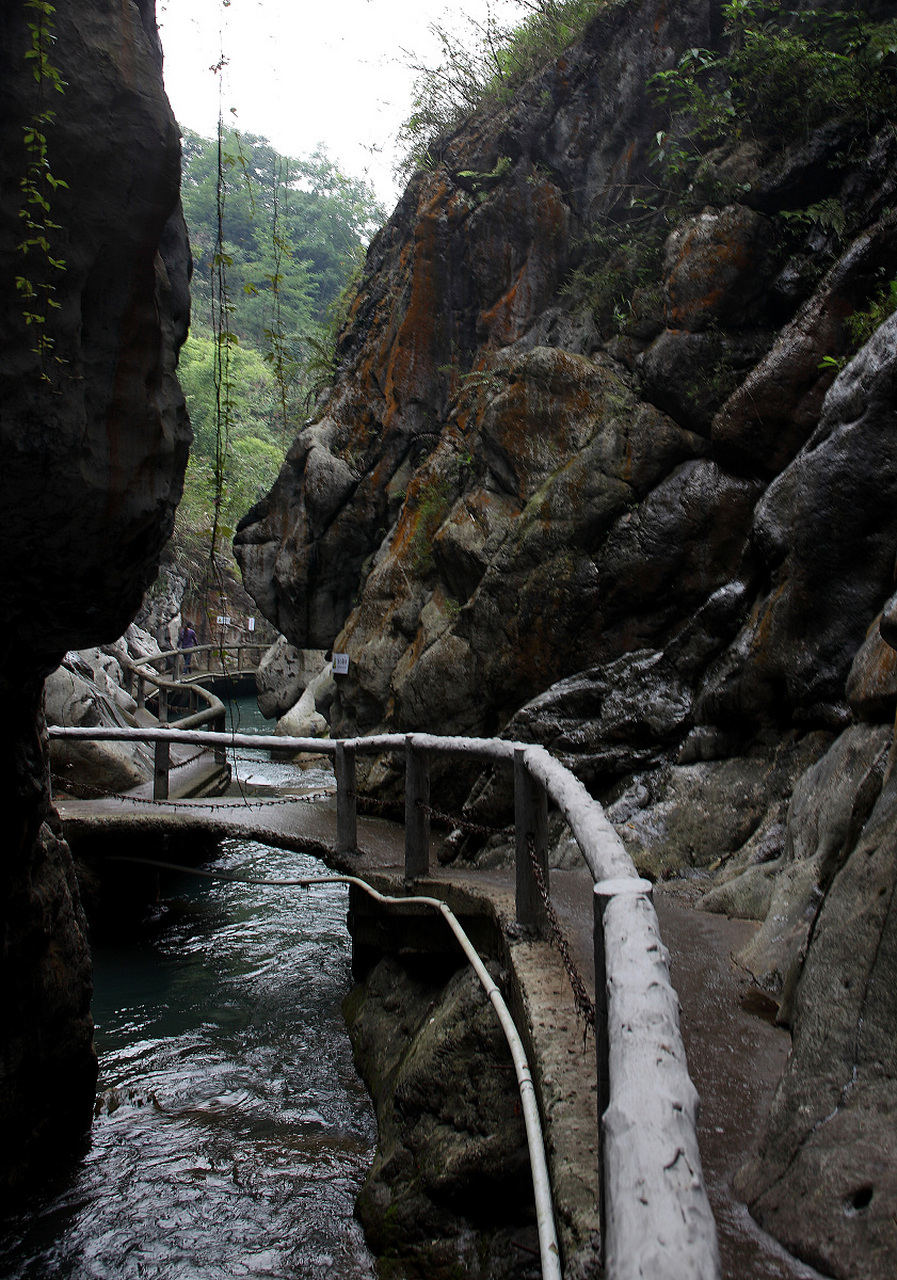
x=292 y=239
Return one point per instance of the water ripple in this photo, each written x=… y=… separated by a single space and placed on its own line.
x=231 y=1134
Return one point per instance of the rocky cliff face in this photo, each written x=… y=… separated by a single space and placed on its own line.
x=503 y=488
x=94 y=441
x=585 y=476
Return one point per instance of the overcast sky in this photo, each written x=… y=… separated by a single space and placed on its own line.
x=304 y=72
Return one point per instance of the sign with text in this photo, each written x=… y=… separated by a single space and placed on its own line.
x=340 y=664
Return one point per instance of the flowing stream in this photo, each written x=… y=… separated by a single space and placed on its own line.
x=232 y=1134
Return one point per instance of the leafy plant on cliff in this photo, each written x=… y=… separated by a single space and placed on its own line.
x=430 y=507
x=38 y=185
x=863 y=323
x=485 y=70
x=781 y=73
x=616 y=261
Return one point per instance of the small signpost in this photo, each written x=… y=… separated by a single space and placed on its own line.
x=340 y=664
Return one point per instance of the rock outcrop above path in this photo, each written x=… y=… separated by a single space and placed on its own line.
x=508 y=485
x=599 y=479
x=94 y=439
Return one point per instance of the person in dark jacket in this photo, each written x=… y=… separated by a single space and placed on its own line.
x=187 y=642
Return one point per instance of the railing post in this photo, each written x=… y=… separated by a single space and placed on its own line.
x=417 y=809
x=163 y=704
x=346 y=813
x=141 y=691
x=161 y=764
x=531 y=833
x=220 y=726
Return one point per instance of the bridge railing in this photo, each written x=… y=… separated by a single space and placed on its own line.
x=139 y=673
x=209 y=658
x=656 y=1218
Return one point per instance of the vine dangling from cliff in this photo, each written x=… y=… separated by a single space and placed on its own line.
x=38 y=185
x=224 y=340
x=278 y=353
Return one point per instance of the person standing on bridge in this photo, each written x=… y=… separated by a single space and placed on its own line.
x=187 y=642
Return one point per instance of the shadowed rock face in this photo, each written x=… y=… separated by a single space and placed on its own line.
x=94 y=446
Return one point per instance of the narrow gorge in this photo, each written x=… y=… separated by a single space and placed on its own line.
x=608 y=463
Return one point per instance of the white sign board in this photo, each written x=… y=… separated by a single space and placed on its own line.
x=223 y=621
x=340 y=664
x=250 y=624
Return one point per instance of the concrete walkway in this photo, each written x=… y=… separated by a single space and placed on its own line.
x=734 y=1055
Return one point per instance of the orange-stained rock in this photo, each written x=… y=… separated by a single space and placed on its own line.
x=872 y=683
x=717 y=268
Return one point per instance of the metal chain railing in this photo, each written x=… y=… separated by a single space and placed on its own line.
x=585 y=1006
x=647 y=1103
x=208 y=807
x=463 y=824
x=183 y=763
x=583 y=1003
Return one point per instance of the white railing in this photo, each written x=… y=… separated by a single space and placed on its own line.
x=656 y=1218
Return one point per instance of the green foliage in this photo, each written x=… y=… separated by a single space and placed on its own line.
x=275 y=242
x=487 y=70
x=293 y=233
x=42 y=262
x=480 y=184
x=827 y=215
x=432 y=502
x=616 y=260
x=240 y=474
x=862 y=324
x=780 y=73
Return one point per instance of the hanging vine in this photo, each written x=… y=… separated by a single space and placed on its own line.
x=224 y=340
x=278 y=354
x=43 y=264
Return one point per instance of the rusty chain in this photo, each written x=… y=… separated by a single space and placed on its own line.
x=583 y=1003
x=312 y=798
x=585 y=1007
x=462 y=824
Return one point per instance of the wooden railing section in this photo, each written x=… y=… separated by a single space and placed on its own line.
x=143 y=680
x=656 y=1218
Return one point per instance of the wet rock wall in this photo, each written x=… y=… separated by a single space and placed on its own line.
x=94 y=439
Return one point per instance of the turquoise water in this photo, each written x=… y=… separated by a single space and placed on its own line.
x=232 y=1133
